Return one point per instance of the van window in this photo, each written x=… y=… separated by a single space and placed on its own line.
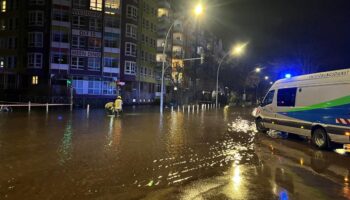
x=286 y=97
x=268 y=98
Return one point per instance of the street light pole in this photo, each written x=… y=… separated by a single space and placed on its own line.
x=163 y=69
x=217 y=78
x=198 y=11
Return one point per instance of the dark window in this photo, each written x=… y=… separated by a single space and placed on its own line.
x=268 y=98
x=286 y=97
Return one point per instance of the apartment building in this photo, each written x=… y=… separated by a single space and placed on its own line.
x=45 y=44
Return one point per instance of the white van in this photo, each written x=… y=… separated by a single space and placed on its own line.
x=315 y=105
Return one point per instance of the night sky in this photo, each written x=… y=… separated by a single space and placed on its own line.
x=276 y=29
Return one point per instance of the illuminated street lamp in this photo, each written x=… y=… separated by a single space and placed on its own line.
x=256 y=70
x=198 y=10
x=236 y=51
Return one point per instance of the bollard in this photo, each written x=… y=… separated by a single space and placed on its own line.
x=29 y=104
x=188 y=108
x=192 y=108
x=172 y=108
x=219 y=105
x=88 y=110
x=47 y=108
x=178 y=108
x=197 y=108
x=183 y=108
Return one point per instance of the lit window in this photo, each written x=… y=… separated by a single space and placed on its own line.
x=2 y=25
x=108 y=88
x=35 y=80
x=3 y=6
x=112 y=4
x=96 y=5
x=2 y=62
x=162 y=12
x=94 y=86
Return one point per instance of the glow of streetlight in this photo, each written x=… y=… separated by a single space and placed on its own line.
x=239 y=49
x=198 y=10
x=258 y=70
x=266 y=78
x=175 y=88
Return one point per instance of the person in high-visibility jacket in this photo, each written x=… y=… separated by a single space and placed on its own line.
x=118 y=104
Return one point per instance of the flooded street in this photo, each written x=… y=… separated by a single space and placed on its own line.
x=214 y=154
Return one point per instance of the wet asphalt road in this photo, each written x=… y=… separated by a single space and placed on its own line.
x=214 y=154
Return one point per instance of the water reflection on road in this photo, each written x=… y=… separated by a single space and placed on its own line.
x=141 y=155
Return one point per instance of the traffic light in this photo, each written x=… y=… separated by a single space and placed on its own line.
x=69 y=83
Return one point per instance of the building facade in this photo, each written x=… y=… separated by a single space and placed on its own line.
x=56 y=49
x=56 y=45
x=85 y=47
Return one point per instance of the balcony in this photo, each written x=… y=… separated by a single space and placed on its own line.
x=111 y=50
x=62 y=2
x=61 y=23
x=61 y=45
x=164 y=20
x=164 y=4
x=178 y=28
x=59 y=66
x=111 y=70
x=177 y=42
x=167 y=50
x=178 y=54
x=112 y=30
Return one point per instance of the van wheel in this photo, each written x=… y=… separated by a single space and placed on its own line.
x=320 y=138
x=259 y=126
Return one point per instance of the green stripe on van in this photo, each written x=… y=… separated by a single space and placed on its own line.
x=336 y=102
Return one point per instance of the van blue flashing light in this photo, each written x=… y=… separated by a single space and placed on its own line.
x=288 y=76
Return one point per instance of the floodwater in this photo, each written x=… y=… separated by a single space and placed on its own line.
x=213 y=154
